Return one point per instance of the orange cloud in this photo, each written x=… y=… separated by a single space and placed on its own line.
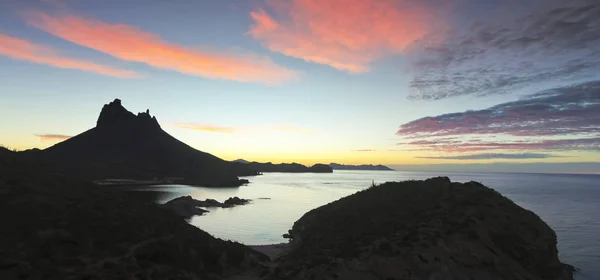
x=52 y=137
x=344 y=34
x=129 y=43
x=242 y=129
x=25 y=50
x=206 y=127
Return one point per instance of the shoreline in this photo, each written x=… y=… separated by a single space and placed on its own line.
x=273 y=251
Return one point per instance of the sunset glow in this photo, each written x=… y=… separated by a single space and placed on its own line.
x=397 y=82
x=129 y=43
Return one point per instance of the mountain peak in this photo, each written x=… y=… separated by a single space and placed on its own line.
x=114 y=114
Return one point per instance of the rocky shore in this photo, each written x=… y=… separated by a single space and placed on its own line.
x=57 y=227
x=187 y=207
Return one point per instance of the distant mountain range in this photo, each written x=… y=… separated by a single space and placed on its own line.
x=317 y=168
x=283 y=167
x=337 y=166
x=128 y=146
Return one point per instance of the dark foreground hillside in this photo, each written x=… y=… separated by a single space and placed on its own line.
x=431 y=229
x=54 y=227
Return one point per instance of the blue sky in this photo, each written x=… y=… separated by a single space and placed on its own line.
x=386 y=81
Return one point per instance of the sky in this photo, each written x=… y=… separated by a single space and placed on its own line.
x=425 y=83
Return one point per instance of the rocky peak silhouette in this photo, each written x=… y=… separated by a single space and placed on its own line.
x=128 y=146
x=114 y=114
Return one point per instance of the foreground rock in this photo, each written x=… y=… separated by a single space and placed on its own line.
x=187 y=207
x=54 y=227
x=431 y=229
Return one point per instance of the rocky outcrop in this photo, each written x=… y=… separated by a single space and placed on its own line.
x=432 y=229
x=114 y=114
x=128 y=146
x=233 y=201
x=186 y=206
x=337 y=166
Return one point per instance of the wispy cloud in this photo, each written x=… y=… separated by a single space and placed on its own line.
x=365 y=150
x=132 y=44
x=206 y=127
x=494 y=156
x=577 y=144
x=563 y=118
x=560 y=45
x=344 y=34
x=535 y=167
x=569 y=110
x=242 y=129
x=28 y=51
x=52 y=137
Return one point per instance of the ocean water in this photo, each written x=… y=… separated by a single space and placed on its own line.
x=570 y=204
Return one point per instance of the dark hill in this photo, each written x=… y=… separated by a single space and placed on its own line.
x=432 y=229
x=128 y=146
x=57 y=227
x=337 y=166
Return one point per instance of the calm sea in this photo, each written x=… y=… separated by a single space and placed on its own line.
x=570 y=204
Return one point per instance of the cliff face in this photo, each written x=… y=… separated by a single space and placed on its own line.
x=431 y=229
x=128 y=146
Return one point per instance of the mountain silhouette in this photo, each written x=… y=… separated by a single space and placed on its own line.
x=128 y=146
x=282 y=167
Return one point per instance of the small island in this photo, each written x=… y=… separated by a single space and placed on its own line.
x=337 y=166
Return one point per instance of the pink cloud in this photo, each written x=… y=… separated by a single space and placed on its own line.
x=52 y=137
x=24 y=50
x=344 y=34
x=132 y=44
